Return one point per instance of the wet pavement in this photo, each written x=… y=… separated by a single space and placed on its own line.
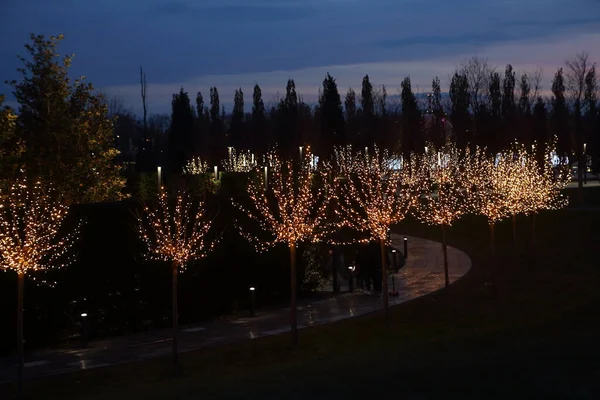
x=422 y=274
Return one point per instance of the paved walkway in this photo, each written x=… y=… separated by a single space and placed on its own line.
x=422 y=274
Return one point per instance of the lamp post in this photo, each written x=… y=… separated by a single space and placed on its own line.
x=395 y=260
x=405 y=247
x=266 y=177
x=216 y=173
x=159 y=177
x=252 y=300
x=84 y=329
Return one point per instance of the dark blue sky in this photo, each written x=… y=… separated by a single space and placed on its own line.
x=233 y=43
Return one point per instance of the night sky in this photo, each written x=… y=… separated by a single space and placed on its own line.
x=233 y=43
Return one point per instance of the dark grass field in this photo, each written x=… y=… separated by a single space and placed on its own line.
x=524 y=325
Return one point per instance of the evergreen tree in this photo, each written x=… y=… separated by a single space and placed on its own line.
x=238 y=139
x=412 y=137
x=331 y=117
x=67 y=137
x=560 y=115
x=260 y=139
x=459 y=110
x=11 y=149
x=181 y=134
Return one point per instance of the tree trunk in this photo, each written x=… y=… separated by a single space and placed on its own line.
x=492 y=244
x=533 y=229
x=384 y=285
x=580 y=173
x=21 y=354
x=445 y=251
x=175 y=318
x=293 y=316
x=514 y=229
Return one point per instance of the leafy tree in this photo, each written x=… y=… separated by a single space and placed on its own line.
x=438 y=133
x=216 y=127
x=288 y=120
x=459 y=109
x=67 y=136
x=331 y=116
x=201 y=126
x=368 y=119
x=560 y=115
x=540 y=130
x=591 y=106
x=494 y=136
x=10 y=148
x=351 y=113
x=259 y=119
x=181 y=134
x=525 y=129
x=412 y=137
x=509 y=106
x=237 y=120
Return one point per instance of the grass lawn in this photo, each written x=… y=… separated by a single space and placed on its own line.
x=522 y=326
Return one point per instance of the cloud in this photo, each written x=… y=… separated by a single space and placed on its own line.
x=230 y=43
x=525 y=57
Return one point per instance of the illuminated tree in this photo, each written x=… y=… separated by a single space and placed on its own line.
x=489 y=177
x=239 y=162
x=544 y=185
x=377 y=192
x=30 y=241
x=64 y=127
x=175 y=231
x=291 y=206
x=446 y=193
x=195 y=166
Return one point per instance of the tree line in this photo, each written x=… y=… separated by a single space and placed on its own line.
x=62 y=124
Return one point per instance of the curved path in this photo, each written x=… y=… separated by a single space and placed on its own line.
x=422 y=274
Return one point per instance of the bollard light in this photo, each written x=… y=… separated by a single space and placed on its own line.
x=216 y=173
x=405 y=247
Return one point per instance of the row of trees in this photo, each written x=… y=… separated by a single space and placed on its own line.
x=68 y=133
x=295 y=201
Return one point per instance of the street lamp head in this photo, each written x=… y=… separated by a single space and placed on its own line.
x=83 y=315
x=252 y=288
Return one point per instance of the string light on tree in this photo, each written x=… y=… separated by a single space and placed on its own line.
x=195 y=166
x=446 y=192
x=239 y=162
x=292 y=210
x=176 y=231
x=374 y=195
x=30 y=239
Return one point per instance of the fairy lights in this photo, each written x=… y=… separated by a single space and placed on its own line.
x=373 y=193
x=445 y=190
x=195 y=166
x=175 y=232
x=292 y=210
x=30 y=222
x=239 y=162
